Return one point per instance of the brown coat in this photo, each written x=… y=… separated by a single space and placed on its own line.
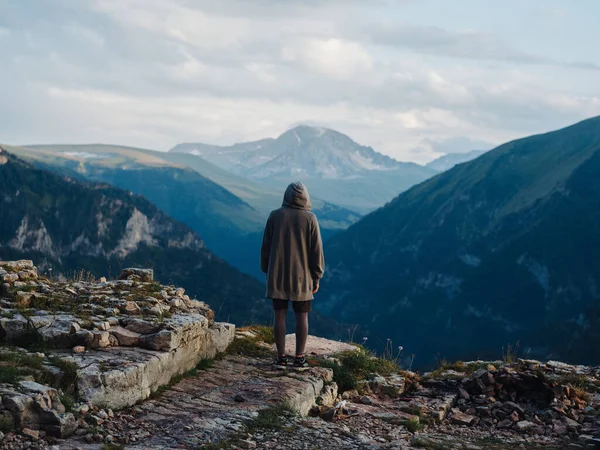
x=292 y=250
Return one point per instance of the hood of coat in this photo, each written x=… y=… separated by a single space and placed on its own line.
x=296 y=196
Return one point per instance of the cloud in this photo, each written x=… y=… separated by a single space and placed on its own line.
x=474 y=45
x=153 y=73
x=331 y=57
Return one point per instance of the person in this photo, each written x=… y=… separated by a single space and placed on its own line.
x=292 y=258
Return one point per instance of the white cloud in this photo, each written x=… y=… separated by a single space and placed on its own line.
x=153 y=73
x=332 y=57
x=79 y=31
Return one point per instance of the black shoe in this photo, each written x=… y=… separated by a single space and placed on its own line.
x=300 y=363
x=281 y=363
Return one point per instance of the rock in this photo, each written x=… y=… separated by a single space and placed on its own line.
x=141 y=326
x=130 y=307
x=94 y=420
x=246 y=443
x=83 y=338
x=10 y=277
x=376 y=383
x=572 y=425
x=559 y=429
x=328 y=394
x=120 y=377
x=23 y=299
x=366 y=400
x=145 y=275
x=100 y=339
x=34 y=434
x=524 y=425
x=239 y=398
x=328 y=414
x=125 y=337
x=13 y=327
x=78 y=349
x=463 y=394
x=348 y=395
x=319 y=346
x=461 y=418
x=511 y=406
x=163 y=340
x=506 y=423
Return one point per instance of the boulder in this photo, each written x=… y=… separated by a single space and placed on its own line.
x=460 y=418
x=141 y=326
x=125 y=337
x=38 y=407
x=524 y=425
x=100 y=339
x=145 y=275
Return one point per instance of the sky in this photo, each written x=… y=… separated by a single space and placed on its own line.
x=413 y=79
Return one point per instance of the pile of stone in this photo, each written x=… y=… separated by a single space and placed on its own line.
x=132 y=311
x=550 y=399
x=122 y=339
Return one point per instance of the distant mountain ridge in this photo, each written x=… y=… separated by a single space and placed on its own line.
x=494 y=251
x=335 y=167
x=450 y=160
x=68 y=225
x=229 y=211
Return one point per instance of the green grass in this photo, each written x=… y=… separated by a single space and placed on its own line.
x=15 y=365
x=69 y=369
x=272 y=418
x=413 y=424
x=248 y=347
x=68 y=402
x=7 y=423
x=263 y=333
x=355 y=366
x=205 y=364
x=112 y=447
x=458 y=366
x=26 y=288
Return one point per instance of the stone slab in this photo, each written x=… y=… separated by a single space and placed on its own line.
x=318 y=346
x=119 y=377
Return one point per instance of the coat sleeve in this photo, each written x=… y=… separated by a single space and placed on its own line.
x=265 y=250
x=316 y=257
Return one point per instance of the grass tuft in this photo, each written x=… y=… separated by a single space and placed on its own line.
x=355 y=366
x=272 y=418
x=248 y=347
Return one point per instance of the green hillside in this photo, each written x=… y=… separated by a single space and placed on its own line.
x=497 y=250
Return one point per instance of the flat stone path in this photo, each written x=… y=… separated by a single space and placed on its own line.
x=211 y=405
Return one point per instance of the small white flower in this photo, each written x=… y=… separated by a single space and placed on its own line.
x=400 y=348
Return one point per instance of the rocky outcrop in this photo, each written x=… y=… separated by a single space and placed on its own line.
x=35 y=406
x=113 y=343
x=119 y=377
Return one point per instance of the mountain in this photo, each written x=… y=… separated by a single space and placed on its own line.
x=228 y=211
x=334 y=167
x=235 y=157
x=450 y=160
x=495 y=251
x=67 y=225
